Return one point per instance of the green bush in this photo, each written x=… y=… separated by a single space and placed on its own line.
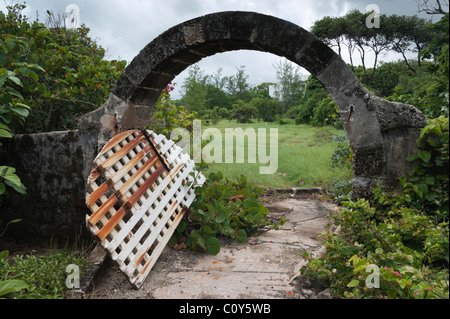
x=244 y=112
x=37 y=277
x=62 y=71
x=222 y=208
x=325 y=113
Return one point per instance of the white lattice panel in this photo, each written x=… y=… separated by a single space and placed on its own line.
x=138 y=193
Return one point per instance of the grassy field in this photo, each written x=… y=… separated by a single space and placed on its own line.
x=303 y=156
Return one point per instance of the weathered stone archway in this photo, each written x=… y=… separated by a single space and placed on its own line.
x=381 y=133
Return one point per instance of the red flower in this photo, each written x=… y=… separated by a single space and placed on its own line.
x=396 y=273
x=387 y=268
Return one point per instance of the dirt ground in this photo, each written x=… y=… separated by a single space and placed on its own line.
x=265 y=267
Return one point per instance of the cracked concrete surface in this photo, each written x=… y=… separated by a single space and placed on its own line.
x=261 y=268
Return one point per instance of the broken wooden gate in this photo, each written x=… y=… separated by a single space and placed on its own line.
x=138 y=192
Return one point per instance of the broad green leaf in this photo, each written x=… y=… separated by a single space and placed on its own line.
x=221 y=216
x=15 y=80
x=4 y=133
x=353 y=283
x=241 y=236
x=23 y=105
x=18 y=188
x=13 y=178
x=2 y=188
x=212 y=245
x=208 y=230
x=14 y=285
x=201 y=243
x=34 y=76
x=3 y=59
x=424 y=156
x=429 y=179
x=36 y=66
x=430 y=196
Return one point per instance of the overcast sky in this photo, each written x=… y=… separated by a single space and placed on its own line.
x=124 y=27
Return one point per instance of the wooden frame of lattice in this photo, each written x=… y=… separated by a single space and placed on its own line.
x=138 y=192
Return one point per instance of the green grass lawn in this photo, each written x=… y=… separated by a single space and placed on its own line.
x=303 y=156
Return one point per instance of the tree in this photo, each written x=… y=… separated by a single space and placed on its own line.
x=289 y=89
x=331 y=31
x=237 y=85
x=244 y=112
x=194 y=87
x=432 y=6
x=267 y=108
x=73 y=78
x=402 y=34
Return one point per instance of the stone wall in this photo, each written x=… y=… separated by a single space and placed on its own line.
x=50 y=165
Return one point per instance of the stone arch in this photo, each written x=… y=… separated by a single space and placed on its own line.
x=381 y=133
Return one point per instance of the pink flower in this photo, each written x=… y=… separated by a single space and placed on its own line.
x=387 y=268
x=396 y=273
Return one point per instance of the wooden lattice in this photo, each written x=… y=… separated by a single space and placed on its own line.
x=138 y=192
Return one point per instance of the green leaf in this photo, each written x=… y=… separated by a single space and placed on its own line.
x=428 y=179
x=4 y=254
x=3 y=59
x=21 y=111
x=34 y=76
x=417 y=190
x=2 y=188
x=353 y=283
x=15 y=80
x=413 y=157
x=18 y=188
x=241 y=236
x=4 y=133
x=201 y=242
x=36 y=66
x=13 y=178
x=424 y=156
x=221 y=216
x=23 y=105
x=10 y=286
x=430 y=196
x=208 y=230
x=212 y=245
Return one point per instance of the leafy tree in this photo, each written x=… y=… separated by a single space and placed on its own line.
x=73 y=77
x=267 y=108
x=429 y=89
x=289 y=89
x=237 y=85
x=244 y=112
x=314 y=94
x=388 y=76
x=325 y=113
x=402 y=34
x=194 y=87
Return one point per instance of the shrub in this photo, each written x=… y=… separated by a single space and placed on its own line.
x=71 y=77
x=38 y=277
x=244 y=112
x=222 y=208
x=404 y=237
